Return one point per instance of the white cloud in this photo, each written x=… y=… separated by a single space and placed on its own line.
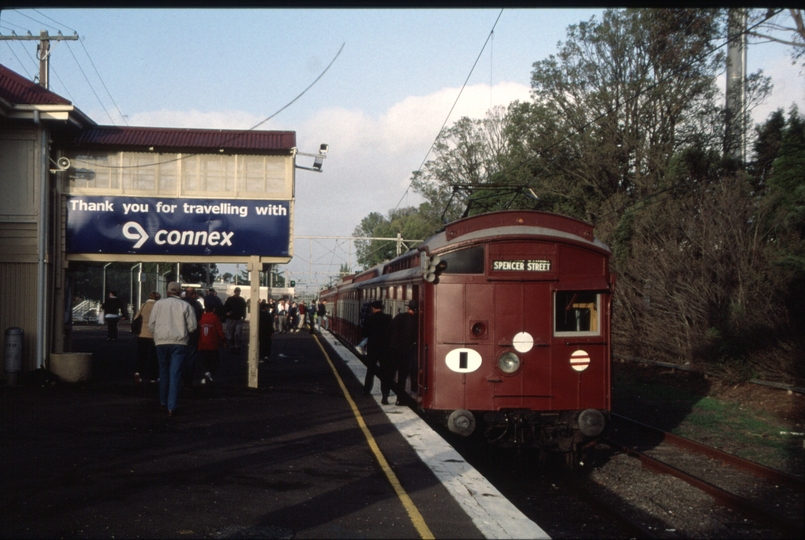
x=195 y=119
x=789 y=88
x=369 y=164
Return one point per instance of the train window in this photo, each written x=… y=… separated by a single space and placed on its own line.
x=576 y=313
x=464 y=261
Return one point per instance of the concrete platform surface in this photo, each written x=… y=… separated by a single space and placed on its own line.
x=290 y=459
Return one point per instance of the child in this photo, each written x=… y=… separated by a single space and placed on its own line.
x=211 y=338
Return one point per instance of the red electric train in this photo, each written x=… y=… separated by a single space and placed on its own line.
x=514 y=326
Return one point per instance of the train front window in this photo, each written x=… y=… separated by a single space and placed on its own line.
x=577 y=313
x=464 y=261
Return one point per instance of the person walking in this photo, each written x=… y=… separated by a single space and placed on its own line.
x=235 y=310
x=293 y=315
x=379 y=361
x=321 y=315
x=266 y=331
x=147 y=364
x=171 y=322
x=282 y=315
x=210 y=340
x=113 y=311
x=302 y=316
x=402 y=341
x=192 y=344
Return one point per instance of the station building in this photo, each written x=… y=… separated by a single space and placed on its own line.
x=74 y=190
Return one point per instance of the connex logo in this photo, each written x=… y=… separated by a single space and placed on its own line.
x=134 y=231
x=138 y=233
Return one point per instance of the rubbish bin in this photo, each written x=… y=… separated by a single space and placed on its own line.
x=14 y=340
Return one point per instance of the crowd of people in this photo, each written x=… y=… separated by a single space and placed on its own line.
x=176 y=331
x=172 y=333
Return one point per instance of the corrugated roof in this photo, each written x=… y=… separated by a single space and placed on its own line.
x=182 y=139
x=17 y=90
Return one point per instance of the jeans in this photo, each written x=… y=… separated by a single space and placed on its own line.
x=171 y=364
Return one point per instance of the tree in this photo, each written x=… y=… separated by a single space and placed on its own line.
x=197 y=272
x=619 y=99
x=409 y=223
x=781 y=26
x=464 y=174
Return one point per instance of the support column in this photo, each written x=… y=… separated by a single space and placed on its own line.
x=254 y=319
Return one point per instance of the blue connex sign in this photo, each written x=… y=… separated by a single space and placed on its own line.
x=150 y=226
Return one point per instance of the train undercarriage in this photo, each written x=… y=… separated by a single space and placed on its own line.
x=565 y=432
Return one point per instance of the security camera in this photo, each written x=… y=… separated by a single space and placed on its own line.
x=63 y=163
x=323 y=149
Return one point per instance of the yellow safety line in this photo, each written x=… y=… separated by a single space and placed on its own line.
x=416 y=517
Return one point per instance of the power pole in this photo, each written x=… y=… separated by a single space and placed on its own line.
x=735 y=139
x=42 y=50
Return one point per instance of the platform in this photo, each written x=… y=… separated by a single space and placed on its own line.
x=305 y=455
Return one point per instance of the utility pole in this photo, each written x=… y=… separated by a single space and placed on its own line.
x=42 y=50
x=735 y=129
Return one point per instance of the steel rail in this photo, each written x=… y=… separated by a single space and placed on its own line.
x=722 y=496
x=730 y=459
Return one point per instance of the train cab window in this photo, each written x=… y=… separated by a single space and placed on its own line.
x=464 y=261
x=576 y=313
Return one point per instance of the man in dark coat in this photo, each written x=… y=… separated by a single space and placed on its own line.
x=235 y=310
x=402 y=341
x=379 y=361
x=113 y=311
x=213 y=299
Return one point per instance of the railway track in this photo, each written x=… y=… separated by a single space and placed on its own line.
x=766 y=496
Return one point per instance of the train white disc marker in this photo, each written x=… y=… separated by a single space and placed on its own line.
x=523 y=342
x=579 y=360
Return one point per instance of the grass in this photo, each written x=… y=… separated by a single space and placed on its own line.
x=744 y=431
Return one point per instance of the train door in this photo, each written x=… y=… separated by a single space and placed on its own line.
x=580 y=349
x=522 y=325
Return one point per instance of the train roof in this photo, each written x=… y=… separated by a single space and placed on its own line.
x=523 y=223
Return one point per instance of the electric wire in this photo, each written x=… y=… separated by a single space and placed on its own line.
x=235 y=135
x=94 y=67
x=90 y=86
x=122 y=116
x=438 y=133
x=18 y=12
x=10 y=48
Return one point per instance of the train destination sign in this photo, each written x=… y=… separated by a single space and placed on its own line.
x=522 y=266
x=157 y=226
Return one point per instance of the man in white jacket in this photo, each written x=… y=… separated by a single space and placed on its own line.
x=172 y=319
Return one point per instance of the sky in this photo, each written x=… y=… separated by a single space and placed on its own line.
x=394 y=77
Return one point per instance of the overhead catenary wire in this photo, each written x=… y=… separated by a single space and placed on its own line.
x=438 y=133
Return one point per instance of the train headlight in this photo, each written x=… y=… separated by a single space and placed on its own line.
x=509 y=362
